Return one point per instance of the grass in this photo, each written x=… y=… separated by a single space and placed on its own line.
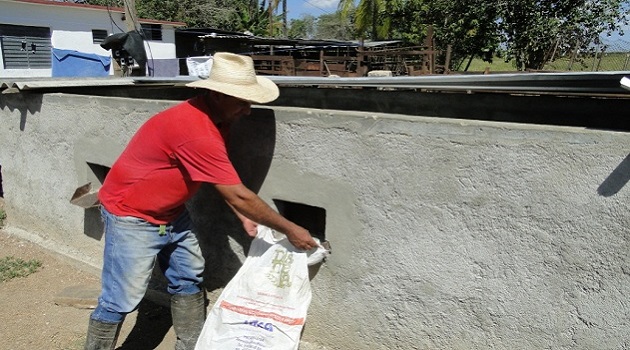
x=614 y=61
x=497 y=65
x=12 y=267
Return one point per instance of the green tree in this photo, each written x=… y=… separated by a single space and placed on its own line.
x=334 y=26
x=220 y=14
x=252 y=19
x=371 y=17
x=534 y=30
x=530 y=31
x=302 y=28
x=468 y=26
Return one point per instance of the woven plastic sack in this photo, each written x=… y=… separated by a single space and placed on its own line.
x=264 y=306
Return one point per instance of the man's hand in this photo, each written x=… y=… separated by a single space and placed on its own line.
x=250 y=227
x=301 y=239
x=246 y=203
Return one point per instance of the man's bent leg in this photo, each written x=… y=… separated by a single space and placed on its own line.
x=131 y=247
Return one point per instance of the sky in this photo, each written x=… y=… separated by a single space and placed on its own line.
x=297 y=8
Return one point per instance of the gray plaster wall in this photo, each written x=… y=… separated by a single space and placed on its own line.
x=446 y=234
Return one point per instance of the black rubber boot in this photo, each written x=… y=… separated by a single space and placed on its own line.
x=189 y=315
x=101 y=335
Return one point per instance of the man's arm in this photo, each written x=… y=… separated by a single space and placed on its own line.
x=250 y=227
x=247 y=203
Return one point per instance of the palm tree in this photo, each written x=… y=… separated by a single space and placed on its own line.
x=253 y=20
x=284 y=17
x=369 y=14
x=273 y=5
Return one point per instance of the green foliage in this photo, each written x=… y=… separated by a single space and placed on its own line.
x=372 y=18
x=3 y=216
x=195 y=13
x=252 y=19
x=528 y=32
x=534 y=31
x=469 y=27
x=12 y=267
x=334 y=26
x=302 y=28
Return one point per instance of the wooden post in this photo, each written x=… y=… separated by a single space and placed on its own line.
x=574 y=55
x=601 y=56
x=447 y=59
x=362 y=61
x=130 y=14
x=131 y=20
x=321 y=62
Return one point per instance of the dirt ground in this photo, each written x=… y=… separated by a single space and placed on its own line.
x=31 y=318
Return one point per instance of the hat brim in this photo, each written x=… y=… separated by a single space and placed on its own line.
x=263 y=91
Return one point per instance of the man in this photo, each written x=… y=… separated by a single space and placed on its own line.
x=142 y=201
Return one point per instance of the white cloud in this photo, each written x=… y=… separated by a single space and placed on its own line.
x=322 y=4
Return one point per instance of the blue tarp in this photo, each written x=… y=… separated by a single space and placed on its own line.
x=70 y=63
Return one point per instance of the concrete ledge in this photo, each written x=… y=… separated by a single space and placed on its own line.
x=81 y=297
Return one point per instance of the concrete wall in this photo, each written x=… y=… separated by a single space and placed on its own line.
x=446 y=234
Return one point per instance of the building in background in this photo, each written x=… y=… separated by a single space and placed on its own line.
x=42 y=38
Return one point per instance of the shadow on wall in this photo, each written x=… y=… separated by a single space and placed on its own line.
x=26 y=103
x=616 y=180
x=251 y=147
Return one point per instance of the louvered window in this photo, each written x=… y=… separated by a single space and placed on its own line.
x=152 y=31
x=25 y=47
x=98 y=35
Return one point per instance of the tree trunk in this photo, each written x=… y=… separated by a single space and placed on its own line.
x=284 y=17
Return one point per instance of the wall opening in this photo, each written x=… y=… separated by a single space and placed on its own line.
x=311 y=218
x=92 y=224
x=98 y=174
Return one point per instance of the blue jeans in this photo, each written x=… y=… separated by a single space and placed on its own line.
x=132 y=246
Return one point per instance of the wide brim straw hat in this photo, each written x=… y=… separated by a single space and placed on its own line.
x=234 y=75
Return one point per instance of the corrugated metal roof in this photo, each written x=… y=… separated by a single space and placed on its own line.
x=40 y=83
x=217 y=34
x=578 y=82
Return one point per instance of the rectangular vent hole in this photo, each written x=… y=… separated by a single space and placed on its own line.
x=311 y=218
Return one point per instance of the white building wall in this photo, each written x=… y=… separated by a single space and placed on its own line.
x=71 y=29
x=162 y=49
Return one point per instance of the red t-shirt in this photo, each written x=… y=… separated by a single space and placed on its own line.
x=165 y=163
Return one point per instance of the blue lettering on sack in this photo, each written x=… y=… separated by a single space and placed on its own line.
x=266 y=326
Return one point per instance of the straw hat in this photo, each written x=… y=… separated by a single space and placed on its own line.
x=234 y=75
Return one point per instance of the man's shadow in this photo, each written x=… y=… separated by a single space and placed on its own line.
x=153 y=321
x=251 y=147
